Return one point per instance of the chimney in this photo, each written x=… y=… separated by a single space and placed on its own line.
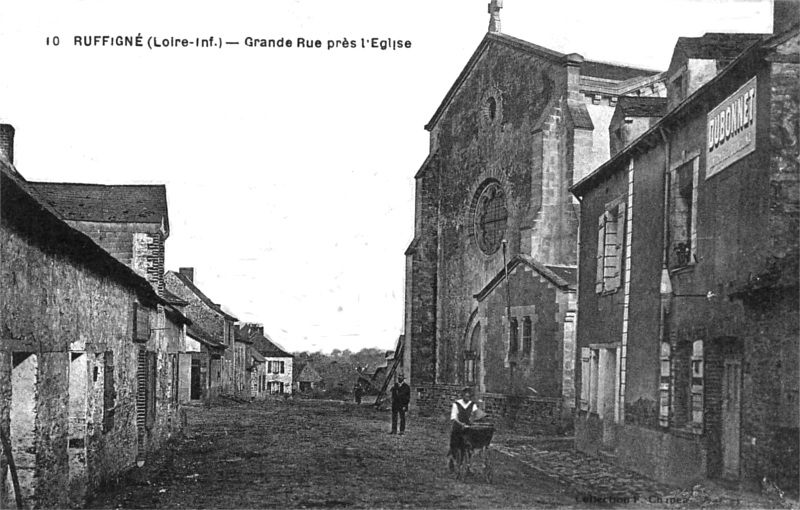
x=256 y=327
x=494 y=15
x=785 y=15
x=188 y=272
x=7 y=142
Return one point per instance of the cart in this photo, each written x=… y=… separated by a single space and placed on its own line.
x=477 y=438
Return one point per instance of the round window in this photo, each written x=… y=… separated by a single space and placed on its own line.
x=491 y=218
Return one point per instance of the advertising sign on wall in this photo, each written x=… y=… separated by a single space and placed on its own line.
x=731 y=129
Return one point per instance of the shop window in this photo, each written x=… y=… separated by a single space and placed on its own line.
x=683 y=214
x=610 y=248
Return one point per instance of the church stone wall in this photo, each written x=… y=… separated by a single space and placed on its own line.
x=473 y=148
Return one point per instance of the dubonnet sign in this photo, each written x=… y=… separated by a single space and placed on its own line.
x=732 y=129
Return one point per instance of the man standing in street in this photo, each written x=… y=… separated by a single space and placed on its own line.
x=401 y=396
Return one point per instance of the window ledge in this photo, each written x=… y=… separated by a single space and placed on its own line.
x=686 y=432
x=609 y=292
x=688 y=268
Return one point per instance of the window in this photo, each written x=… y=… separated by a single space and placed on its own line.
x=688 y=386
x=513 y=338
x=527 y=332
x=470 y=354
x=491 y=218
x=683 y=214
x=610 y=247
x=283 y=368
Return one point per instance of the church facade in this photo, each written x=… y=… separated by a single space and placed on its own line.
x=491 y=272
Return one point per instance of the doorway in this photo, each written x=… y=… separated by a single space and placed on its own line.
x=196 y=387
x=731 y=416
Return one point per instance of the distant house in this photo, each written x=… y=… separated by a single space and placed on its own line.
x=278 y=376
x=210 y=318
x=305 y=378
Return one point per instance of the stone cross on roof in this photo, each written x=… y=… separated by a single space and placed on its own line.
x=494 y=15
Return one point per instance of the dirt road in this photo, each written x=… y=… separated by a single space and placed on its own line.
x=318 y=454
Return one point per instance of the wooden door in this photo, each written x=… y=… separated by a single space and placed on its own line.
x=731 y=417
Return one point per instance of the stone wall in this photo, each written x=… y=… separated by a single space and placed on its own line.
x=523 y=415
x=67 y=306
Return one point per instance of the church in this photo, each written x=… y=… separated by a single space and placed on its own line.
x=491 y=271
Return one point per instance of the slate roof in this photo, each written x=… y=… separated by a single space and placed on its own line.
x=563 y=277
x=257 y=356
x=128 y=203
x=632 y=106
x=202 y=336
x=709 y=91
x=304 y=372
x=21 y=197
x=205 y=299
x=716 y=46
x=602 y=70
x=264 y=344
x=567 y=273
x=172 y=299
x=617 y=72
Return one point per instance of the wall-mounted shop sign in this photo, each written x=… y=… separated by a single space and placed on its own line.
x=731 y=129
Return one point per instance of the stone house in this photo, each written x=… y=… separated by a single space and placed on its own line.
x=204 y=375
x=305 y=378
x=277 y=379
x=88 y=356
x=490 y=273
x=214 y=322
x=688 y=309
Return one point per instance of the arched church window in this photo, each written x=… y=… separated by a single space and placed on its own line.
x=491 y=217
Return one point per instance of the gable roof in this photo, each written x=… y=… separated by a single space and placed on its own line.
x=197 y=292
x=554 y=274
x=304 y=372
x=202 y=336
x=675 y=116
x=632 y=106
x=79 y=248
x=263 y=343
x=602 y=70
x=716 y=46
x=118 y=203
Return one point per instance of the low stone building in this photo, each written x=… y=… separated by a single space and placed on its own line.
x=305 y=378
x=688 y=324
x=278 y=363
x=218 y=324
x=88 y=355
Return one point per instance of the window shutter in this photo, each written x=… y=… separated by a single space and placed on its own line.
x=141 y=323
x=619 y=247
x=585 y=378
x=610 y=255
x=601 y=234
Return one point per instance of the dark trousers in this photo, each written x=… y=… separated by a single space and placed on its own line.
x=401 y=412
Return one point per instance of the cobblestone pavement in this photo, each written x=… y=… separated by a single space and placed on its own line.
x=596 y=482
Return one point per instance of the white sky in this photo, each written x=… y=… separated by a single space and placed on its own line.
x=289 y=172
